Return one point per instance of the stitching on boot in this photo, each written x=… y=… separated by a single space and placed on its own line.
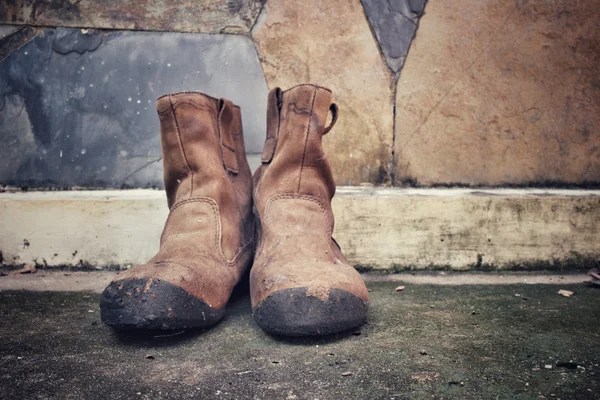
x=164 y=111
x=298 y=197
x=218 y=236
x=196 y=93
x=307 y=84
x=312 y=107
x=181 y=147
x=197 y=200
x=188 y=92
x=293 y=197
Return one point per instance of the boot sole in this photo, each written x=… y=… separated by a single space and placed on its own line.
x=291 y=312
x=132 y=303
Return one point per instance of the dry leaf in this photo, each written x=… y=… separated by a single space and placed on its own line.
x=566 y=293
x=28 y=269
x=400 y=288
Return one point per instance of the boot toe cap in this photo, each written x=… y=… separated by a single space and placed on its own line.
x=300 y=312
x=154 y=304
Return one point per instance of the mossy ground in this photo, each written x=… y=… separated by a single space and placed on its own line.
x=482 y=342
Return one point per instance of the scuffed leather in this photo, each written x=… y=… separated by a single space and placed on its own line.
x=207 y=241
x=292 y=195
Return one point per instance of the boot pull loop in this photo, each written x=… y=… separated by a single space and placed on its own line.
x=274 y=103
x=226 y=111
x=334 y=116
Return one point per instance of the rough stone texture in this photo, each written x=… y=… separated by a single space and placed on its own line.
x=6 y=30
x=384 y=229
x=330 y=43
x=501 y=92
x=215 y=16
x=395 y=23
x=11 y=38
x=482 y=342
x=78 y=107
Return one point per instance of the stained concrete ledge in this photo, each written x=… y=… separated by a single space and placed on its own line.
x=377 y=228
x=48 y=280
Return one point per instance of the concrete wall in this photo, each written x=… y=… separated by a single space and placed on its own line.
x=493 y=92
x=381 y=229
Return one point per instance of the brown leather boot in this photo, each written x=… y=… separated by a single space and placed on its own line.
x=301 y=284
x=207 y=242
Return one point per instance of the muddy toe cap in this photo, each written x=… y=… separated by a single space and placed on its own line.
x=154 y=304
x=291 y=312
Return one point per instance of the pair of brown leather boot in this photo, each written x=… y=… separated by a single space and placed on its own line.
x=300 y=282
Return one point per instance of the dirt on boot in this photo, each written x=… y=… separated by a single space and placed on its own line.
x=207 y=242
x=301 y=283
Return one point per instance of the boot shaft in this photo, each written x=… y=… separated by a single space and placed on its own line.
x=204 y=156
x=293 y=158
x=202 y=143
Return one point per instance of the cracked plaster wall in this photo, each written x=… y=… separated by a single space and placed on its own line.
x=431 y=92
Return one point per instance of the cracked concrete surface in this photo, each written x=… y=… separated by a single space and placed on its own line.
x=452 y=342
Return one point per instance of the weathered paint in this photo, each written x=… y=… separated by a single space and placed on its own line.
x=381 y=229
x=210 y=16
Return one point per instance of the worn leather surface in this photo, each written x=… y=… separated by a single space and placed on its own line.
x=292 y=194
x=207 y=241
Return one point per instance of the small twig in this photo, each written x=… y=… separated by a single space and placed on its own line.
x=169 y=335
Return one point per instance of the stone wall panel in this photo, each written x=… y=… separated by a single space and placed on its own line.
x=330 y=43
x=394 y=23
x=77 y=107
x=210 y=16
x=503 y=92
